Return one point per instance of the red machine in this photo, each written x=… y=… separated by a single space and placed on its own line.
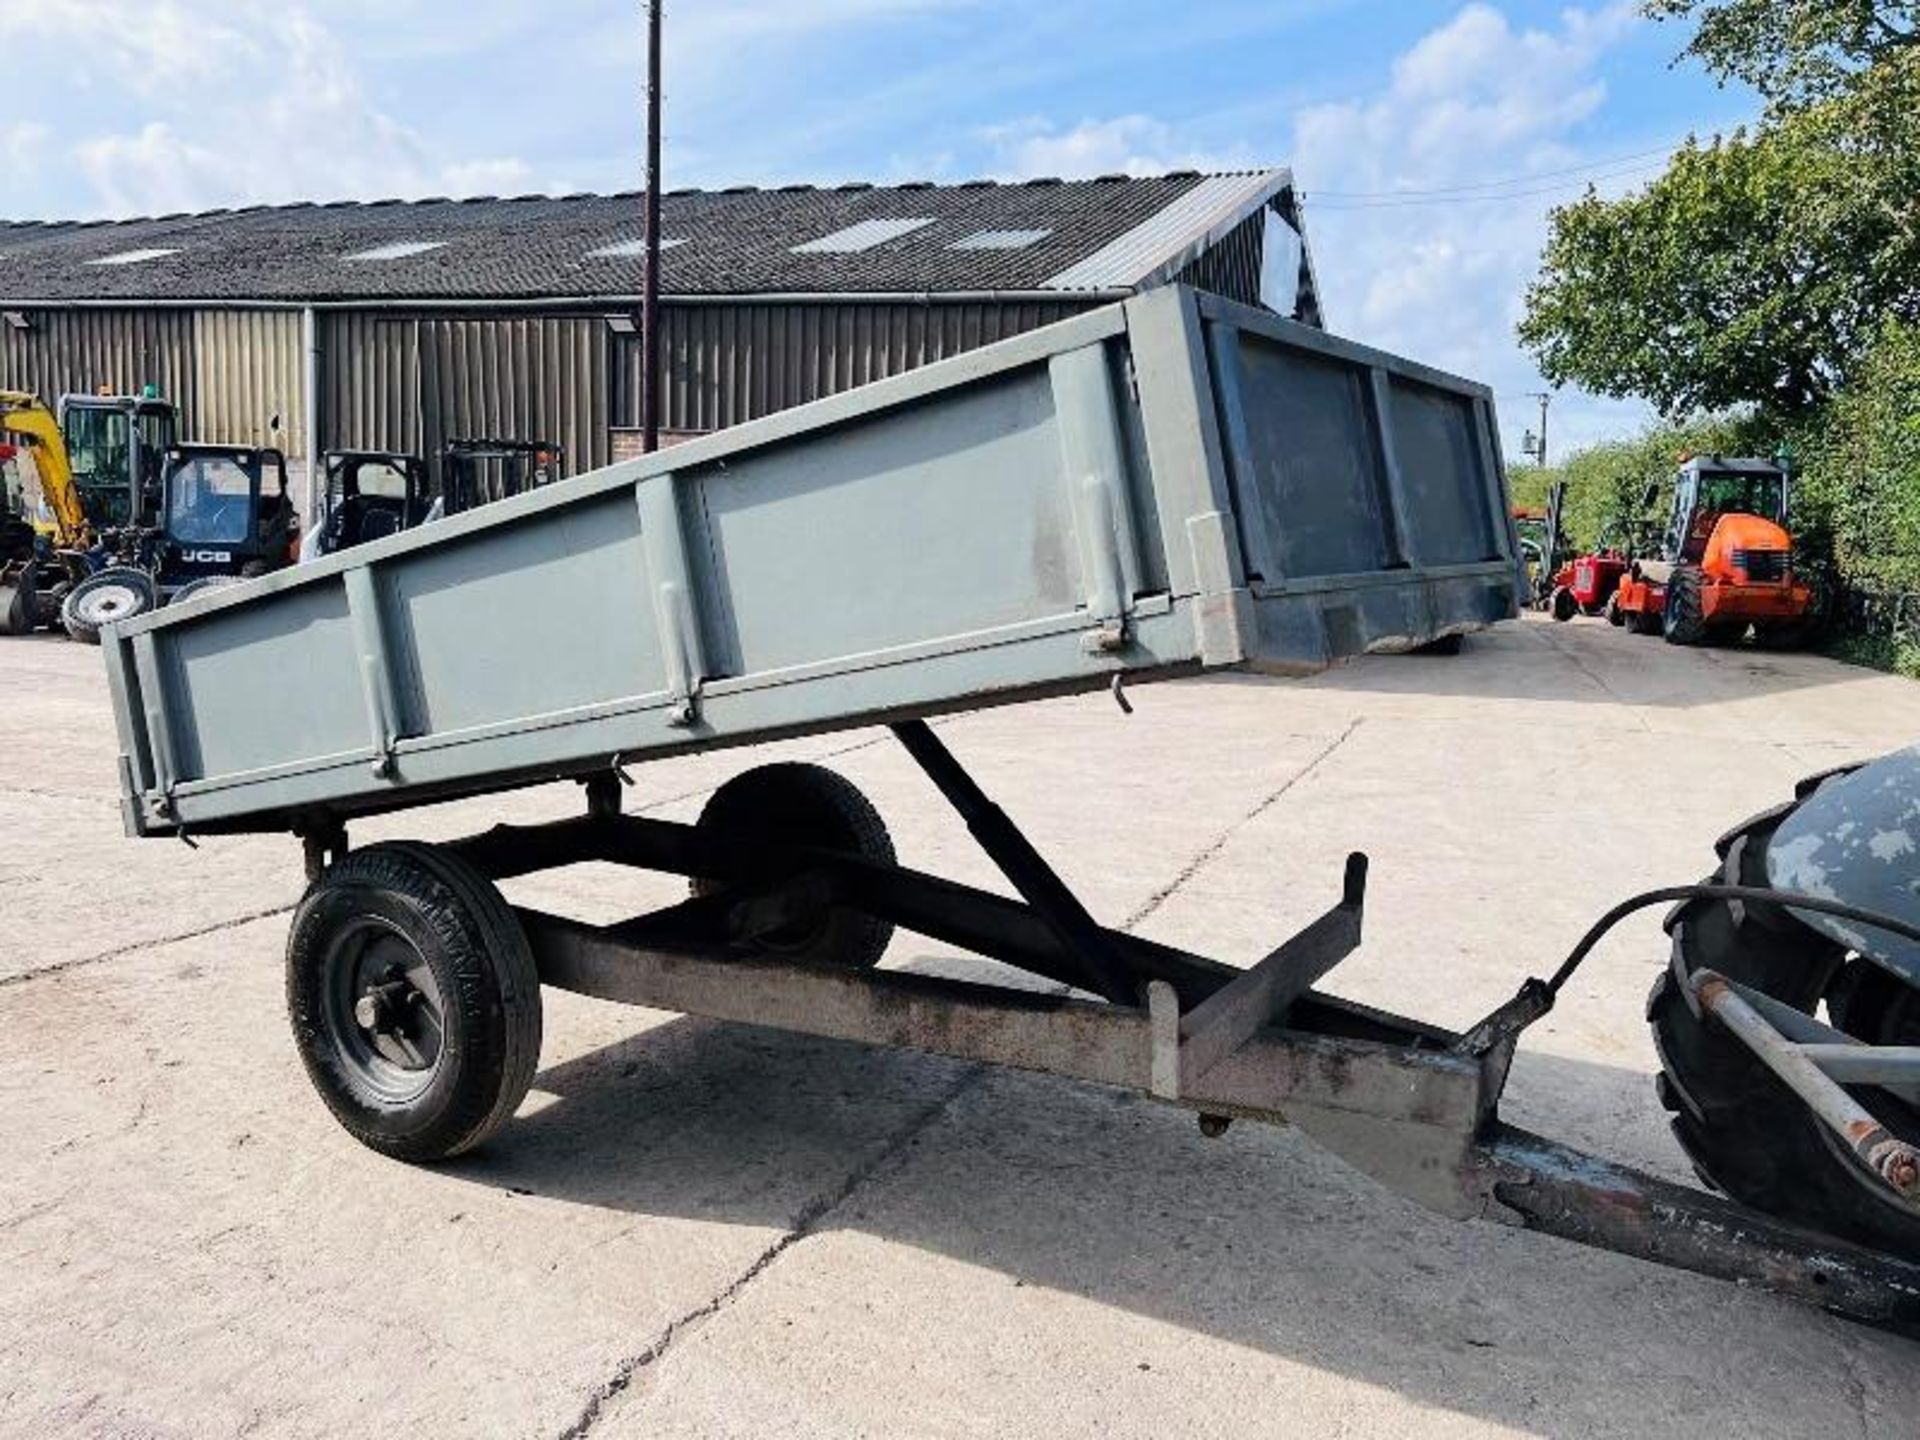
x=1588 y=584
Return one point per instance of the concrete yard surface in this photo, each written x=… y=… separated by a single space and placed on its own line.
x=696 y=1229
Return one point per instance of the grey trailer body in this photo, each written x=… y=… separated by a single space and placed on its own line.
x=1163 y=486
x=1169 y=486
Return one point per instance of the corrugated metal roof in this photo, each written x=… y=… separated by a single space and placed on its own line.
x=1174 y=235
x=1107 y=234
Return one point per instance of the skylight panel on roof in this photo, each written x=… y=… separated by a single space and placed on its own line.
x=863 y=236
x=399 y=250
x=631 y=249
x=1001 y=240
x=134 y=257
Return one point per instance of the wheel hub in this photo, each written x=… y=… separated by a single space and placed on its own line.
x=385 y=1011
x=107 y=604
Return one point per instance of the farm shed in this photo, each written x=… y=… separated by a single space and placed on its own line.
x=401 y=324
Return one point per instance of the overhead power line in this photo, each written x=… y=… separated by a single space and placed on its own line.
x=1558 y=187
x=1589 y=170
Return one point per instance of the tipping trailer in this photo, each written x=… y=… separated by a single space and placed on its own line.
x=1158 y=489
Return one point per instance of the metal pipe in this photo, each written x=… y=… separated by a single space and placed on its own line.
x=650 y=295
x=1893 y=1160
x=316 y=491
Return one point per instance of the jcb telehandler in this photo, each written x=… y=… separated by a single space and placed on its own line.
x=1726 y=562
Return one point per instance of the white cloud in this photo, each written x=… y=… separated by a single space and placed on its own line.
x=1127 y=144
x=1442 y=277
x=244 y=102
x=23 y=147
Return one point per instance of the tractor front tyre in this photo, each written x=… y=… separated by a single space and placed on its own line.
x=1562 y=605
x=116 y=594
x=1614 y=614
x=804 y=806
x=1746 y=1132
x=1684 y=621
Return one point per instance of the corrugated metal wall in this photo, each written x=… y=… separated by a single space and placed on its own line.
x=414 y=382
x=249 y=366
x=729 y=363
x=411 y=382
x=519 y=378
x=83 y=351
x=370 y=382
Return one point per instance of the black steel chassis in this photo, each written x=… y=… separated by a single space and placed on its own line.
x=1414 y=1106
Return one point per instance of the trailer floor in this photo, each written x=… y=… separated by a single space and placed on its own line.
x=697 y=1229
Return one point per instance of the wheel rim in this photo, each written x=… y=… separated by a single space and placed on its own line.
x=384 y=1012
x=115 y=600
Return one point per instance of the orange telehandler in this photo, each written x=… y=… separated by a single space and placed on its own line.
x=1727 y=562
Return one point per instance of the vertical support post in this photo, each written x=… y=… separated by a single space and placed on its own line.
x=650 y=293
x=1092 y=449
x=310 y=400
x=376 y=670
x=1078 y=932
x=1392 y=483
x=670 y=574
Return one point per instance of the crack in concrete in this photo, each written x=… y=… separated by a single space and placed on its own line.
x=807 y=1222
x=1225 y=837
x=1566 y=653
x=60 y=967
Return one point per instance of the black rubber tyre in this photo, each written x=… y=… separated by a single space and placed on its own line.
x=1746 y=1132
x=462 y=1036
x=1562 y=606
x=1615 y=616
x=118 y=593
x=791 y=804
x=1445 y=645
x=17 y=605
x=1684 y=620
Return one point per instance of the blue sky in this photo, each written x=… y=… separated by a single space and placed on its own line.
x=151 y=106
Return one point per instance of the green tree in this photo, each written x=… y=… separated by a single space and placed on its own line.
x=1861 y=475
x=1759 y=268
x=1796 y=52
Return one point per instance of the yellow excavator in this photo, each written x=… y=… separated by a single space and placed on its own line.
x=44 y=531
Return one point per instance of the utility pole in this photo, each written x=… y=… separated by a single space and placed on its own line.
x=650 y=286
x=1534 y=444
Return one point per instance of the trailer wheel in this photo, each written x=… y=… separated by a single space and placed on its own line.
x=1562 y=604
x=414 y=1000
x=118 y=593
x=1745 y=1132
x=792 y=804
x=1684 y=621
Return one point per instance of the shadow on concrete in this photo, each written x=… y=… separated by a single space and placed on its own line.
x=1257 y=1239
x=1582 y=661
